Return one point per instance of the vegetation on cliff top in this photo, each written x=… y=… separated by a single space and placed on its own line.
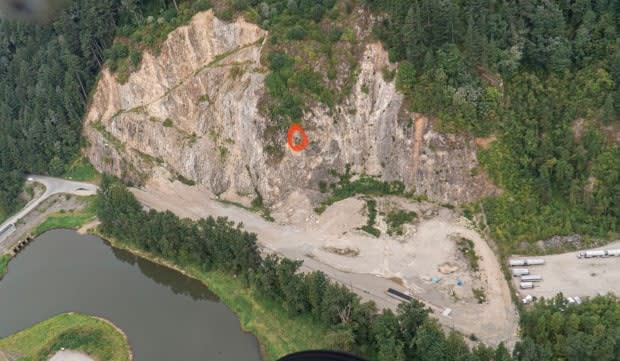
x=524 y=71
x=73 y=331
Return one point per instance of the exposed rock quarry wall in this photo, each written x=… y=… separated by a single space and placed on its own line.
x=193 y=110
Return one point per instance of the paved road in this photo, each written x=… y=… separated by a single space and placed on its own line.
x=52 y=186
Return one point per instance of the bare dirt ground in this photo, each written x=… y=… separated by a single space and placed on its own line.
x=333 y=244
x=575 y=277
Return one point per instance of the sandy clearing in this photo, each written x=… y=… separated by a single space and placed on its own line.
x=413 y=258
x=575 y=277
x=69 y=355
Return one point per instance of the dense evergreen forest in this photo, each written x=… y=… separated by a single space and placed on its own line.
x=552 y=330
x=47 y=71
x=523 y=71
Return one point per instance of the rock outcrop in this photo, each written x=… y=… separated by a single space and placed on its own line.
x=194 y=111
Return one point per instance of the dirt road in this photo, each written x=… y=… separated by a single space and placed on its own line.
x=376 y=263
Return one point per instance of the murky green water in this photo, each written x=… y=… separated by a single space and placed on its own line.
x=166 y=316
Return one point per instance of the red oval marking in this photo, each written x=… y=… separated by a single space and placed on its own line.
x=297 y=129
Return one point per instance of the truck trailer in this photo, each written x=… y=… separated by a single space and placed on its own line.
x=516 y=272
x=531 y=278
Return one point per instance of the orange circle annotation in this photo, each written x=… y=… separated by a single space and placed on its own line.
x=294 y=143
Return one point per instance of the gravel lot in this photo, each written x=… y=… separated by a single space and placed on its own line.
x=332 y=242
x=575 y=277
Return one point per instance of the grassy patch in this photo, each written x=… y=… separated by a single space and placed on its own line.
x=257 y=207
x=109 y=137
x=371 y=207
x=4 y=262
x=278 y=334
x=466 y=247
x=367 y=185
x=81 y=170
x=168 y=123
x=68 y=220
x=75 y=331
x=396 y=219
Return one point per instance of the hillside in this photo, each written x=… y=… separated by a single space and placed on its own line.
x=200 y=118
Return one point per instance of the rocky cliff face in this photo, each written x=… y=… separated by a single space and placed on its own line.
x=193 y=111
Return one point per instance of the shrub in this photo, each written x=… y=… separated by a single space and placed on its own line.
x=186 y=181
x=296 y=33
x=168 y=123
x=396 y=219
x=323 y=186
x=135 y=57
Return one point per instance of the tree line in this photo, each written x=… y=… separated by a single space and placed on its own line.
x=407 y=334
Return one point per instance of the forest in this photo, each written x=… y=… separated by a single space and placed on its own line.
x=524 y=72
x=553 y=329
x=47 y=72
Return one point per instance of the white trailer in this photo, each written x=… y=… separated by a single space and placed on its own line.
x=590 y=254
x=531 y=278
x=613 y=252
x=534 y=261
x=516 y=272
x=526 y=285
x=516 y=262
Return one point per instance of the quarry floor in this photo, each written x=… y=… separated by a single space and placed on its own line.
x=575 y=277
x=369 y=265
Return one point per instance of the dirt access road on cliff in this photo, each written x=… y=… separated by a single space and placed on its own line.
x=379 y=263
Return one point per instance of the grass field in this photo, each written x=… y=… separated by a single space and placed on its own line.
x=81 y=170
x=93 y=336
x=4 y=261
x=68 y=220
x=277 y=334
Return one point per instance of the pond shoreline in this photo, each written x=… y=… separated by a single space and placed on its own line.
x=163 y=262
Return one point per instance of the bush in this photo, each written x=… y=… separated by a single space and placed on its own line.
x=168 y=123
x=185 y=181
x=201 y=5
x=323 y=186
x=334 y=34
x=296 y=33
x=396 y=219
x=135 y=57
